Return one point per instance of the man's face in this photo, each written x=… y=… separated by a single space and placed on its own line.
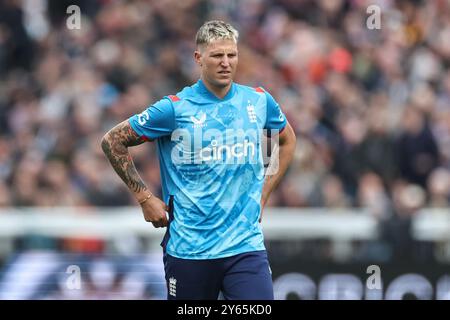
x=218 y=61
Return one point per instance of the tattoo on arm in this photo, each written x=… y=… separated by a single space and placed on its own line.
x=115 y=146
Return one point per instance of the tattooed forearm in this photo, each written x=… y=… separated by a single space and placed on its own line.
x=115 y=146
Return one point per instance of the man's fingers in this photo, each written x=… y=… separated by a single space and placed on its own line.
x=161 y=222
x=158 y=220
x=157 y=224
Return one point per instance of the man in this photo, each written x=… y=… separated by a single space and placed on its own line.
x=212 y=174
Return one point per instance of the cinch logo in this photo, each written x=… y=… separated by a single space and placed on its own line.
x=200 y=122
x=212 y=146
x=238 y=150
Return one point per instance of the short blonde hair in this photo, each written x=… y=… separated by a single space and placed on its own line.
x=216 y=30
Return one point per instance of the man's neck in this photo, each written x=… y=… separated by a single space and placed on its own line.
x=219 y=92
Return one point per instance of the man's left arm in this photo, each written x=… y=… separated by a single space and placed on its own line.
x=287 y=142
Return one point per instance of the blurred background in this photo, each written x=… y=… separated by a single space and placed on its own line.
x=369 y=183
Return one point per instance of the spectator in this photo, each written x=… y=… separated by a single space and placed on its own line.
x=439 y=188
x=417 y=149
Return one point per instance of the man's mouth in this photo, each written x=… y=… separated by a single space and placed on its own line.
x=224 y=72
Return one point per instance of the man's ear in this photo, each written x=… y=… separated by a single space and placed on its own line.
x=197 y=57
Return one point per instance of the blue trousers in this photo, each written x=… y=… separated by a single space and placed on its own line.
x=245 y=276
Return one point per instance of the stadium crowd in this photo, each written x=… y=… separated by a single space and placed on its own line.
x=371 y=108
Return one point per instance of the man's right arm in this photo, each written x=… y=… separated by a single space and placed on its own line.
x=115 y=145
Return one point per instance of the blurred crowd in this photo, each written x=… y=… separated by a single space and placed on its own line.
x=371 y=107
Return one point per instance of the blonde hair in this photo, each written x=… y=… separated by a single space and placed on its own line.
x=216 y=30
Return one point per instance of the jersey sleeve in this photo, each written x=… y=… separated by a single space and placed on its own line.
x=156 y=121
x=275 y=120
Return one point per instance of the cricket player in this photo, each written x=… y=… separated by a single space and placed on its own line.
x=214 y=187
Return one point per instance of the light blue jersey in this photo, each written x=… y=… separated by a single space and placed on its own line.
x=211 y=163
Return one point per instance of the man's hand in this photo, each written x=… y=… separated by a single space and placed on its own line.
x=154 y=211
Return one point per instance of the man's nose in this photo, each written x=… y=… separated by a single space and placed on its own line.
x=225 y=61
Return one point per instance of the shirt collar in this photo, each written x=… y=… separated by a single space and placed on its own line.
x=204 y=90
